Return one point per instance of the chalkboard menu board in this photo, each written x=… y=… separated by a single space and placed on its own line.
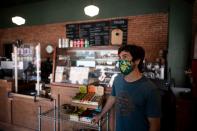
x=98 y=33
x=72 y=31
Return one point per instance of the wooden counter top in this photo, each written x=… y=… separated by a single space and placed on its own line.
x=17 y=95
x=69 y=85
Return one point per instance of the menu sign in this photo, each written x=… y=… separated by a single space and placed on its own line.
x=72 y=31
x=98 y=33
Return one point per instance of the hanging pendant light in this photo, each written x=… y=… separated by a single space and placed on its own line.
x=18 y=20
x=91 y=10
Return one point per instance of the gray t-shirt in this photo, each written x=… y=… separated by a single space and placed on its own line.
x=135 y=102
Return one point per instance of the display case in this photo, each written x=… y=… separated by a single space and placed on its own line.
x=76 y=67
x=97 y=64
x=29 y=72
x=26 y=53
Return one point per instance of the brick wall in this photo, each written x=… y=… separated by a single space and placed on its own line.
x=44 y=34
x=149 y=31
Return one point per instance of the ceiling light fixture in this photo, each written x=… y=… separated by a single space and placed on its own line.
x=18 y=20
x=91 y=10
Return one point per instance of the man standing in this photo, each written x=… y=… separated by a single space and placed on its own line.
x=137 y=99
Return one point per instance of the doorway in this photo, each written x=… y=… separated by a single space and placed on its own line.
x=7 y=50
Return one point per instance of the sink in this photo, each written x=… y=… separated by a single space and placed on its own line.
x=177 y=91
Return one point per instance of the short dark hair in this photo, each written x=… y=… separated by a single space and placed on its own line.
x=137 y=52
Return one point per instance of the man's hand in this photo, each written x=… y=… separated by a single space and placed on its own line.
x=154 y=123
x=110 y=102
x=96 y=118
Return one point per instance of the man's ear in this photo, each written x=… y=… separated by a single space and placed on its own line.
x=137 y=61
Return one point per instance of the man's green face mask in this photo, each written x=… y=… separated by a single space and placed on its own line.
x=125 y=67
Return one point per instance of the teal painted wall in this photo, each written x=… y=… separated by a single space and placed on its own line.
x=180 y=39
x=53 y=11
